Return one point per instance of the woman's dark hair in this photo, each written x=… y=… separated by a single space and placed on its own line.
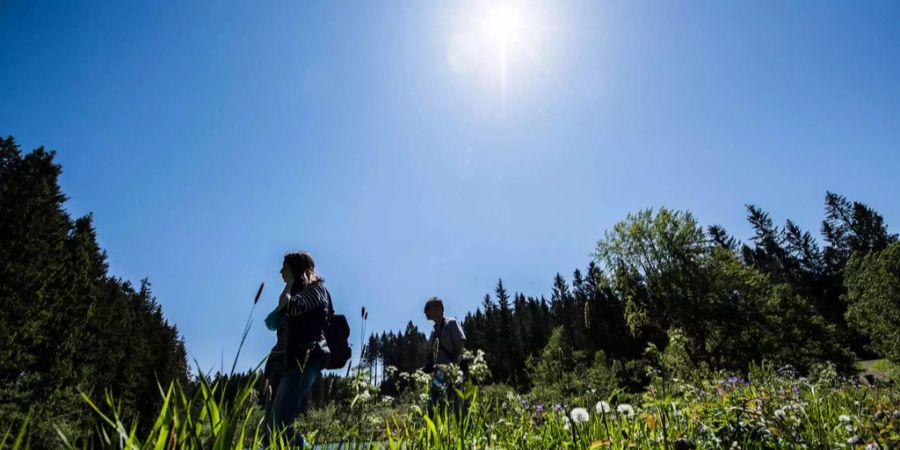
x=303 y=268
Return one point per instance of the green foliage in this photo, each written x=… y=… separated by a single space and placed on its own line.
x=562 y=374
x=208 y=418
x=766 y=410
x=676 y=359
x=873 y=290
x=62 y=411
x=793 y=257
x=728 y=313
x=777 y=298
x=68 y=326
x=799 y=336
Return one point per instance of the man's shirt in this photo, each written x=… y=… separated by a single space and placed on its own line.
x=447 y=342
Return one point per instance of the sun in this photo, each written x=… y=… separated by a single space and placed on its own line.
x=502 y=28
x=499 y=42
x=502 y=25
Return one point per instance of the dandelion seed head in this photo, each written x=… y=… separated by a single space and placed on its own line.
x=579 y=415
x=625 y=410
x=603 y=407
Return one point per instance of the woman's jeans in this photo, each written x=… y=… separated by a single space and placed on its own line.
x=274 y=371
x=295 y=384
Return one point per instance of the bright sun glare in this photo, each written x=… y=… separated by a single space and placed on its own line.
x=497 y=42
x=502 y=29
x=502 y=25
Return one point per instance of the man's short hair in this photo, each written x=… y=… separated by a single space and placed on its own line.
x=434 y=302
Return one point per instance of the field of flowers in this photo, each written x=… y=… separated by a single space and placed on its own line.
x=769 y=408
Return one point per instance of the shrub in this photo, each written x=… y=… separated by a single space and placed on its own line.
x=873 y=290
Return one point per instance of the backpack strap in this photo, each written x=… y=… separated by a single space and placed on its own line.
x=330 y=309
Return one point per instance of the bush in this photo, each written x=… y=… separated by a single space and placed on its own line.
x=560 y=374
x=873 y=291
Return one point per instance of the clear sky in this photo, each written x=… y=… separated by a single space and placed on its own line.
x=430 y=148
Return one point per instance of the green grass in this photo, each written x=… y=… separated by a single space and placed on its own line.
x=882 y=368
x=767 y=411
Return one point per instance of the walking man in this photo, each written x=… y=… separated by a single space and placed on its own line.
x=446 y=346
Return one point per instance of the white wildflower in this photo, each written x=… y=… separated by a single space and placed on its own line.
x=478 y=369
x=603 y=407
x=374 y=420
x=625 y=410
x=843 y=418
x=779 y=413
x=579 y=415
x=421 y=378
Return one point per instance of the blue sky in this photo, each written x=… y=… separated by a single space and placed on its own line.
x=391 y=141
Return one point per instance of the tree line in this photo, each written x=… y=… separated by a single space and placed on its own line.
x=69 y=327
x=783 y=296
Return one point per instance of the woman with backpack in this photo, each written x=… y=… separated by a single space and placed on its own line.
x=305 y=307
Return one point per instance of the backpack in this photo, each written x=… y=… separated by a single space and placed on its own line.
x=337 y=335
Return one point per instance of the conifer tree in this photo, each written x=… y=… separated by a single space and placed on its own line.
x=68 y=325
